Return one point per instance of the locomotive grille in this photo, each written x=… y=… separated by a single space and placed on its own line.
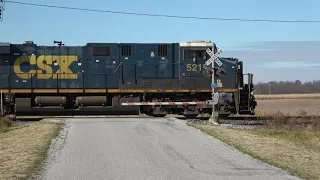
x=126 y=50
x=162 y=50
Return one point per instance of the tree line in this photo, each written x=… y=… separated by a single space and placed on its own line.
x=287 y=87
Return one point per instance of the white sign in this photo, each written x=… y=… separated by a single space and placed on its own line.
x=214 y=57
x=219 y=83
x=215 y=100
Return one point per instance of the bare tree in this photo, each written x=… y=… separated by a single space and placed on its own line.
x=287 y=87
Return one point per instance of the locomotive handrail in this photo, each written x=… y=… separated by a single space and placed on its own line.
x=155 y=63
x=121 y=64
x=79 y=83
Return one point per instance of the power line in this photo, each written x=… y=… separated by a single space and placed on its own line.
x=163 y=15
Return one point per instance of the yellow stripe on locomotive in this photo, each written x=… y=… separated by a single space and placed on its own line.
x=44 y=63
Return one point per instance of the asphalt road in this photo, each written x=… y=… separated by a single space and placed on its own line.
x=146 y=148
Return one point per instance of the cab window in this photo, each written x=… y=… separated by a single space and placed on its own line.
x=194 y=54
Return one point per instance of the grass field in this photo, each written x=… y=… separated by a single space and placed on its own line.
x=23 y=148
x=287 y=96
x=289 y=103
x=289 y=106
x=297 y=152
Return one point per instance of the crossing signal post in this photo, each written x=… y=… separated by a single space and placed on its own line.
x=215 y=96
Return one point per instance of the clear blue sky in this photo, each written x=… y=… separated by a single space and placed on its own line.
x=43 y=25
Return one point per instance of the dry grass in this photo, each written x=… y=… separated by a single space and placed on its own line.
x=23 y=148
x=278 y=120
x=287 y=96
x=289 y=106
x=296 y=152
x=5 y=123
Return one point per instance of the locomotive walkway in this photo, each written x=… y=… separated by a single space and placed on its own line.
x=147 y=148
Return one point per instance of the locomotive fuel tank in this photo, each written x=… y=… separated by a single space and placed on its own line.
x=50 y=101
x=91 y=100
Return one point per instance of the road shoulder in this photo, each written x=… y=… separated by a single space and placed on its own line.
x=286 y=150
x=24 y=147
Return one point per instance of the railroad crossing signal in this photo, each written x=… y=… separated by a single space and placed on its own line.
x=215 y=96
x=214 y=57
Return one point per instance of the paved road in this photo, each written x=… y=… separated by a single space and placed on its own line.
x=145 y=148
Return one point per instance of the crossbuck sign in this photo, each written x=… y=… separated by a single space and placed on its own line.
x=214 y=57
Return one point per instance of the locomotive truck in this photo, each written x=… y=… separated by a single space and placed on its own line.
x=120 y=78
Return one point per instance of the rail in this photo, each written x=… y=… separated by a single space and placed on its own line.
x=257 y=120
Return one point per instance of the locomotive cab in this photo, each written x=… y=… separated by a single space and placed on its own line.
x=193 y=56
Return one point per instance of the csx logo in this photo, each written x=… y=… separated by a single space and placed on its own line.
x=44 y=68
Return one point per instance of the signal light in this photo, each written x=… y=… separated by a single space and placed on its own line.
x=218 y=72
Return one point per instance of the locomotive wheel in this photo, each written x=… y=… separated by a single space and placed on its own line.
x=224 y=116
x=190 y=116
x=159 y=115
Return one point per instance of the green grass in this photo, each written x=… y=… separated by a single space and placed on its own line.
x=297 y=152
x=307 y=139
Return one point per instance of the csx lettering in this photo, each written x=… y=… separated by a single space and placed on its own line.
x=196 y=67
x=44 y=67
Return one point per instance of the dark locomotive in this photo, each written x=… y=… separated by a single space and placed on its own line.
x=99 y=77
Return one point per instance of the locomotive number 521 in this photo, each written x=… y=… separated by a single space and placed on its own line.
x=196 y=67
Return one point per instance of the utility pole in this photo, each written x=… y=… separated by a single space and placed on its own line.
x=215 y=96
x=1 y=18
x=269 y=88
x=1 y=103
x=1 y=9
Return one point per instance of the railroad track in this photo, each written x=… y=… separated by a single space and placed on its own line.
x=266 y=117
x=232 y=120
x=254 y=120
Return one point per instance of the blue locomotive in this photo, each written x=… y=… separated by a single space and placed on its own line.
x=120 y=78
